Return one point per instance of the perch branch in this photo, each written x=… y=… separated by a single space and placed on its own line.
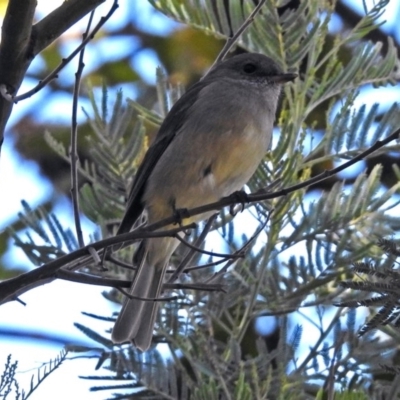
x=12 y=288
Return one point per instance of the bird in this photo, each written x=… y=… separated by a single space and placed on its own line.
x=208 y=147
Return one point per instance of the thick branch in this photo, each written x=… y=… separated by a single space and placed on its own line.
x=57 y=22
x=54 y=74
x=15 y=41
x=20 y=42
x=14 y=55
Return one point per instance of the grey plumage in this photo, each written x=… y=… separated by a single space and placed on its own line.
x=208 y=146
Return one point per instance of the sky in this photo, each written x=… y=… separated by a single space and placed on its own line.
x=55 y=307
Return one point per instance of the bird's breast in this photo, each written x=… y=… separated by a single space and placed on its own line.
x=238 y=158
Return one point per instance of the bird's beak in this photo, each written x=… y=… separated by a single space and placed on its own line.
x=283 y=78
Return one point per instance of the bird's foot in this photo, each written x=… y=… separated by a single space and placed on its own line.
x=240 y=196
x=180 y=214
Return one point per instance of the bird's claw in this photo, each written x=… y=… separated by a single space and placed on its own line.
x=240 y=196
x=180 y=214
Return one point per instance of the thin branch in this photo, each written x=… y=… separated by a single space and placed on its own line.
x=204 y=287
x=65 y=61
x=202 y=251
x=53 y=25
x=74 y=139
x=127 y=265
x=91 y=279
x=192 y=251
x=11 y=288
x=80 y=277
x=158 y=299
x=314 y=350
x=208 y=265
x=242 y=250
x=120 y=263
x=232 y=40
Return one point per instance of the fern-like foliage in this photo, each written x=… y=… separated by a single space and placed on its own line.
x=44 y=227
x=381 y=289
x=116 y=149
x=44 y=372
x=9 y=384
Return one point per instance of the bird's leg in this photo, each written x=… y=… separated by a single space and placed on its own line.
x=179 y=214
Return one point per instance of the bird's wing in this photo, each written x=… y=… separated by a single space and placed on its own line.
x=168 y=130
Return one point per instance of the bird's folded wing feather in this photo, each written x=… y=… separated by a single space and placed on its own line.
x=168 y=130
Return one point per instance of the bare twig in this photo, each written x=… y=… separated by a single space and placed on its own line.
x=120 y=263
x=242 y=251
x=207 y=265
x=328 y=173
x=74 y=139
x=118 y=283
x=53 y=25
x=204 y=287
x=65 y=61
x=323 y=334
x=12 y=288
x=192 y=251
x=202 y=251
x=232 y=40
x=131 y=297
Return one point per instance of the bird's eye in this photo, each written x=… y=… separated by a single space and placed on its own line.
x=249 y=68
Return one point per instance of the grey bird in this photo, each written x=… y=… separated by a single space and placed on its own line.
x=209 y=145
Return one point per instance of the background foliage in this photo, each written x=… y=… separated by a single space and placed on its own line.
x=217 y=347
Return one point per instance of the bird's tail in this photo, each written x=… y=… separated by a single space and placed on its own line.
x=137 y=317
